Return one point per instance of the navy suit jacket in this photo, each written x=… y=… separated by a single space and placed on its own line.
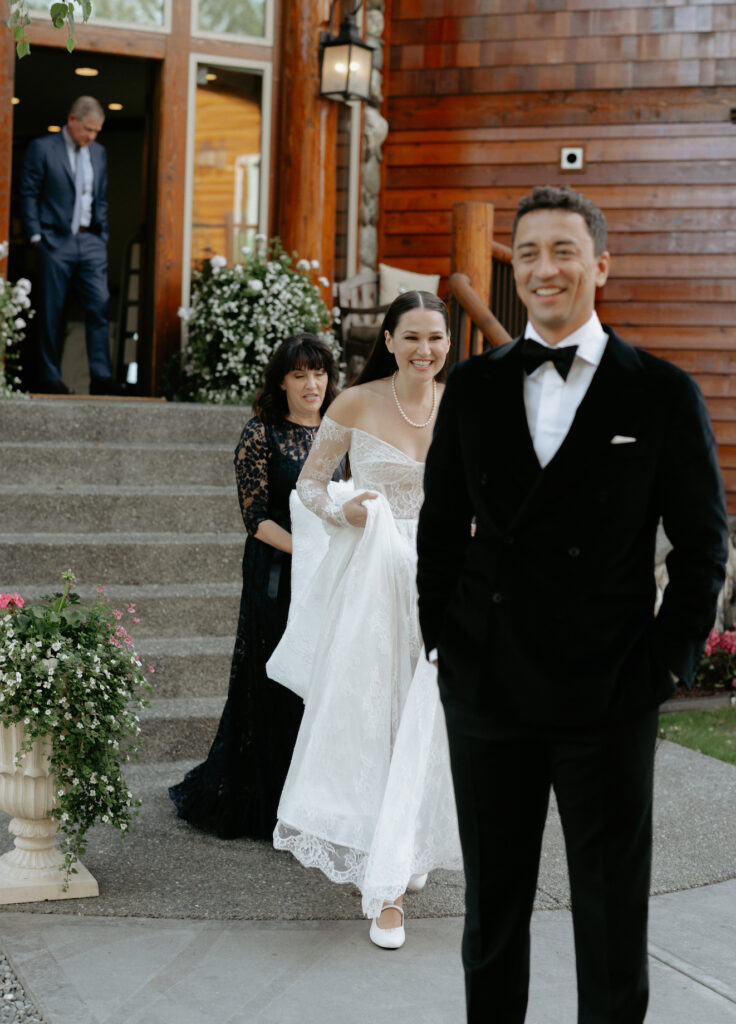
x=546 y=615
x=48 y=191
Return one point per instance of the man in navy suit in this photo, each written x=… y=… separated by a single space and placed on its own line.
x=566 y=448
x=64 y=194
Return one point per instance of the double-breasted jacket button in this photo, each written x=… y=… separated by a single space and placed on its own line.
x=497 y=598
x=573 y=551
x=508 y=541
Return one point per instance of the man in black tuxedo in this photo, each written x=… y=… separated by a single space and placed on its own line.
x=64 y=194
x=566 y=447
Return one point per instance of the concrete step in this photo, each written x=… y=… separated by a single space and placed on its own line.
x=121 y=422
x=45 y=463
x=83 y=508
x=177 y=729
x=188 y=666
x=120 y=558
x=165 y=610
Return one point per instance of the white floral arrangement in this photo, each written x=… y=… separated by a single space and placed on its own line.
x=70 y=672
x=15 y=311
x=240 y=314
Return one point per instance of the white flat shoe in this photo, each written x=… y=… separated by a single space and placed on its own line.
x=388 y=938
x=417 y=882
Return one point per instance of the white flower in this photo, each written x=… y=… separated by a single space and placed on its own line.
x=315 y=264
x=255 y=284
x=19 y=324
x=245 y=250
x=217 y=263
x=3 y=250
x=324 y=282
x=260 y=237
x=303 y=265
x=238 y=269
x=23 y=284
x=183 y=313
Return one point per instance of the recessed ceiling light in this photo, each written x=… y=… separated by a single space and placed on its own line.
x=54 y=128
x=86 y=72
x=114 y=106
x=15 y=101
x=211 y=76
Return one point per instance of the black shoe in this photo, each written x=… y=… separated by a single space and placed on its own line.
x=105 y=386
x=55 y=387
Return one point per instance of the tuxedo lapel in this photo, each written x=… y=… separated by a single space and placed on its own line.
x=508 y=460
x=62 y=158
x=95 y=154
x=611 y=401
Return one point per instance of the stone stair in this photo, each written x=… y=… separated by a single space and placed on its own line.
x=138 y=497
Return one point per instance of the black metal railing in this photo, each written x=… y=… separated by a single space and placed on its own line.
x=506 y=305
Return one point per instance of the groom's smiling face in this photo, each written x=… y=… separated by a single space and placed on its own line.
x=556 y=271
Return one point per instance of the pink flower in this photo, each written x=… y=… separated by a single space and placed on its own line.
x=136 y=620
x=131 y=608
x=151 y=669
x=711 y=644
x=118 y=615
x=11 y=601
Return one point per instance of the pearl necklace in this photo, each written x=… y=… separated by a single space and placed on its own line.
x=419 y=426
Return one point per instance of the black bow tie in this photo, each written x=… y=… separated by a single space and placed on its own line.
x=535 y=354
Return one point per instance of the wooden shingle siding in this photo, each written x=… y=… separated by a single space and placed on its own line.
x=482 y=94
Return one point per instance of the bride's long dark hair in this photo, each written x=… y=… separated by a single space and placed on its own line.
x=381 y=362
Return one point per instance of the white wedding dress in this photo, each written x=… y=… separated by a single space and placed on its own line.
x=368 y=798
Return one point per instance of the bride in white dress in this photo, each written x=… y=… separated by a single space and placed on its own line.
x=368 y=798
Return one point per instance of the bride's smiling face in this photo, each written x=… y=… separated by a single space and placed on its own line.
x=420 y=343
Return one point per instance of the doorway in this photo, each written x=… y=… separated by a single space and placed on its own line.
x=125 y=88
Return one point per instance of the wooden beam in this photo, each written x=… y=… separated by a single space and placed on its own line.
x=7 y=83
x=307 y=187
x=92 y=38
x=472 y=251
x=171 y=132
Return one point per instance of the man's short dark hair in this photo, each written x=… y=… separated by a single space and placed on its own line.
x=550 y=197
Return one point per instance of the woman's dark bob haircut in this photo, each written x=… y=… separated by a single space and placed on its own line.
x=381 y=362
x=299 y=352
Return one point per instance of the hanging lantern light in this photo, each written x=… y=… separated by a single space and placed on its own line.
x=347 y=63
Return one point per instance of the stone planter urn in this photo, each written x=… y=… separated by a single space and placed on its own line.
x=30 y=872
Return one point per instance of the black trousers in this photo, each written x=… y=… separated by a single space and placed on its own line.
x=602 y=780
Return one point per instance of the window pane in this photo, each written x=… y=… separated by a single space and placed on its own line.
x=227 y=162
x=245 y=18
x=137 y=12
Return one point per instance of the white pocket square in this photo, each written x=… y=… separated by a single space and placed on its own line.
x=622 y=439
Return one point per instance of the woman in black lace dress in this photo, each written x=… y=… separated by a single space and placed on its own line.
x=236 y=791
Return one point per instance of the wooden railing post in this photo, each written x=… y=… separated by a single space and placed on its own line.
x=472 y=254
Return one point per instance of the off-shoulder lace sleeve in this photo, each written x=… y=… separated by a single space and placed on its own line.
x=330 y=445
x=252 y=457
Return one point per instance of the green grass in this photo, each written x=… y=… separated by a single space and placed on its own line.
x=712 y=732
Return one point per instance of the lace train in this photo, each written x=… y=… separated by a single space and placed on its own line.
x=368 y=798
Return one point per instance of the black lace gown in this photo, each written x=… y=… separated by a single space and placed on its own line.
x=236 y=791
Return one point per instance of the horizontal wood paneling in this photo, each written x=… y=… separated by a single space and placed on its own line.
x=480 y=103
x=579 y=107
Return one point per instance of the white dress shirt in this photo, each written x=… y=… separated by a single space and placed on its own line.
x=75 y=154
x=550 y=401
